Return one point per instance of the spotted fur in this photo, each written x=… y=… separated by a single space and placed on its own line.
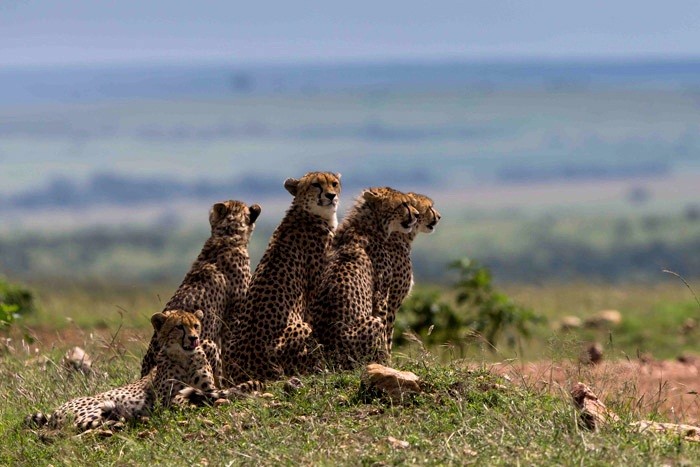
x=349 y=311
x=182 y=369
x=399 y=251
x=218 y=280
x=272 y=339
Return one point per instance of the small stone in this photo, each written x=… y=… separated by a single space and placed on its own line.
x=394 y=383
x=77 y=359
x=604 y=318
x=594 y=413
x=568 y=323
x=593 y=354
x=397 y=443
x=688 y=358
x=292 y=385
x=689 y=325
x=688 y=432
x=145 y=434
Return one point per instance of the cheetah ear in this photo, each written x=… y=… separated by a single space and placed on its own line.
x=218 y=211
x=371 y=196
x=157 y=320
x=291 y=185
x=338 y=175
x=254 y=211
x=199 y=314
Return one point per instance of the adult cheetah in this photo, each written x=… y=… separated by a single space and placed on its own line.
x=181 y=376
x=350 y=308
x=218 y=279
x=399 y=249
x=271 y=340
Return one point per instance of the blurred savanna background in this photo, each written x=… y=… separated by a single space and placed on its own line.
x=561 y=143
x=564 y=158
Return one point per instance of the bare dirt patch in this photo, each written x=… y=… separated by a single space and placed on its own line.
x=670 y=388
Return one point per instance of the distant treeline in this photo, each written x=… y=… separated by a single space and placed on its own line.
x=132 y=190
x=567 y=171
x=632 y=251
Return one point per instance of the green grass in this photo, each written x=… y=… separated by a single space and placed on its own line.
x=653 y=317
x=462 y=418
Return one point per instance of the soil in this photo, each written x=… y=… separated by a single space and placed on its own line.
x=648 y=387
x=669 y=388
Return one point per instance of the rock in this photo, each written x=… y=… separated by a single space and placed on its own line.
x=688 y=358
x=568 y=323
x=397 y=443
x=395 y=384
x=688 y=326
x=293 y=385
x=688 y=432
x=604 y=318
x=593 y=354
x=76 y=359
x=594 y=413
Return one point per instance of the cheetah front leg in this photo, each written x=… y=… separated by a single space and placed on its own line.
x=213 y=354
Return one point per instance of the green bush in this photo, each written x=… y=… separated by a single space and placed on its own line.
x=478 y=311
x=14 y=300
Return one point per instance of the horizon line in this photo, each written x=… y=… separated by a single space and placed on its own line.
x=359 y=61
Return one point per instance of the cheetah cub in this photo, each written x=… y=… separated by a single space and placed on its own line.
x=218 y=279
x=182 y=368
x=349 y=312
x=272 y=339
x=399 y=249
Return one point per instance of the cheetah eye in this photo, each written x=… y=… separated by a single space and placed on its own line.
x=335 y=184
x=316 y=185
x=181 y=327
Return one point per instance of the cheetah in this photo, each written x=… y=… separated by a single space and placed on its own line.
x=271 y=340
x=350 y=308
x=399 y=249
x=181 y=370
x=218 y=279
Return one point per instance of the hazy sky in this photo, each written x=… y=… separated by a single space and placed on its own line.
x=80 y=31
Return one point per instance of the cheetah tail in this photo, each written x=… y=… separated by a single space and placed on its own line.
x=36 y=420
x=198 y=397
x=250 y=386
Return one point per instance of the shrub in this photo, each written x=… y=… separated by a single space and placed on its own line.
x=478 y=311
x=14 y=300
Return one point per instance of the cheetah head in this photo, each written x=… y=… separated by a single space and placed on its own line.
x=178 y=331
x=396 y=208
x=233 y=219
x=318 y=193
x=428 y=216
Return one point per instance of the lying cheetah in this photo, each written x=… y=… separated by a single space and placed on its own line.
x=399 y=248
x=218 y=279
x=272 y=338
x=349 y=312
x=182 y=370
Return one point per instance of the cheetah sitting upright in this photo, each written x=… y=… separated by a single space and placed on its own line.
x=271 y=340
x=182 y=370
x=350 y=307
x=399 y=249
x=218 y=279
